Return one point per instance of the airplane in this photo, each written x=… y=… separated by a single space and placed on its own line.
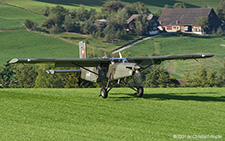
x=109 y=71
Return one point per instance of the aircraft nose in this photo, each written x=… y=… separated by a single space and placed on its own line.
x=137 y=67
x=134 y=67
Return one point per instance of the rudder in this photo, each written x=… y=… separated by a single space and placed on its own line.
x=82 y=49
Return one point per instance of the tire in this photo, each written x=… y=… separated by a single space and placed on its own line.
x=140 y=91
x=104 y=93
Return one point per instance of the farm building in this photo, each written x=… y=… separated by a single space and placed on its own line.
x=152 y=21
x=185 y=20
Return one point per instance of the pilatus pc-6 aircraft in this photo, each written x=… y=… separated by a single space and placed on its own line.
x=109 y=71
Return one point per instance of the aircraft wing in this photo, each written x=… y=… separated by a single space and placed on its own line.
x=73 y=62
x=158 y=59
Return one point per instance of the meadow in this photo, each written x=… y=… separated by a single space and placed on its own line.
x=79 y=114
x=153 y=5
x=24 y=44
x=12 y=18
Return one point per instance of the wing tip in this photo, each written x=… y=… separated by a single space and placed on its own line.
x=14 y=60
x=207 y=55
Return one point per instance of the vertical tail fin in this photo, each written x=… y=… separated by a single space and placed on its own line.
x=82 y=49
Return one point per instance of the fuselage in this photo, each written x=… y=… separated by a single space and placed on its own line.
x=118 y=68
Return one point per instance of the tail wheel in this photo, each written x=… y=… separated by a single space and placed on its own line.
x=140 y=91
x=104 y=93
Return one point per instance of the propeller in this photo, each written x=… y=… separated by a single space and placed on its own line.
x=138 y=78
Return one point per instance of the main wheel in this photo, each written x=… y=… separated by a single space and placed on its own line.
x=140 y=91
x=104 y=93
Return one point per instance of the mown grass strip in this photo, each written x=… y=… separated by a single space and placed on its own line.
x=68 y=114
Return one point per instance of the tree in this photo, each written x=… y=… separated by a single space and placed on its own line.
x=167 y=6
x=30 y=25
x=89 y=27
x=48 y=22
x=220 y=10
x=71 y=25
x=7 y=76
x=137 y=8
x=121 y=17
x=68 y=23
x=72 y=80
x=111 y=30
x=73 y=14
x=45 y=80
x=82 y=13
x=158 y=13
x=56 y=17
x=158 y=77
x=179 y=5
x=55 y=29
x=221 y=76
x=141 y=25
x=112 y=7
x=46 y=11
x=203 y=22
x=25 y=75
x=201 y=78
x=92 y=12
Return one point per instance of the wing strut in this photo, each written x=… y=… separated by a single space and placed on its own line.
x=89 y=70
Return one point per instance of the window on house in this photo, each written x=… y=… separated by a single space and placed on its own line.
x=169 y=27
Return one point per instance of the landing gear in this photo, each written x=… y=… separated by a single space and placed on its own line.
x=106 y=88
x=140 y=91
x=104 y=93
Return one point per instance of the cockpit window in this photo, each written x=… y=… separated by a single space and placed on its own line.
x=119 y=60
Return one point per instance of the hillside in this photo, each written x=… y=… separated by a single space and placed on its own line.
x=16 y=42
x=153 y=5
x=23 y=44
x=189 y=44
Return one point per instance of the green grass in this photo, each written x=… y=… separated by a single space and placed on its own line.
x=13 y=18
x=79 y=114
x=38 y=5
x=24 y=44
x=98 y=43
x=174 y=45
x=153 y=5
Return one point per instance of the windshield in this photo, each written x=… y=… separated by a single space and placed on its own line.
x=118 y=60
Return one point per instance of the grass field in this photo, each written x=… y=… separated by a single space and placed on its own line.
x=24 y=44
x=12 y=18
x=153 y=5
x=98 y=43
x=79 y=114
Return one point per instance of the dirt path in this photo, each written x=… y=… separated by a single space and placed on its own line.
x=170 y=68
x=132 y=44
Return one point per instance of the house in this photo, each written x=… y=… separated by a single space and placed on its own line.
x=102 y=22
x=185 y=19
x=152 y=21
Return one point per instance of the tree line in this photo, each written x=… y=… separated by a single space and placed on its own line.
x=58 y=19
x=34 y=76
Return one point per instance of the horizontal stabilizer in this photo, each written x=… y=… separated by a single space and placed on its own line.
x=62 y=71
